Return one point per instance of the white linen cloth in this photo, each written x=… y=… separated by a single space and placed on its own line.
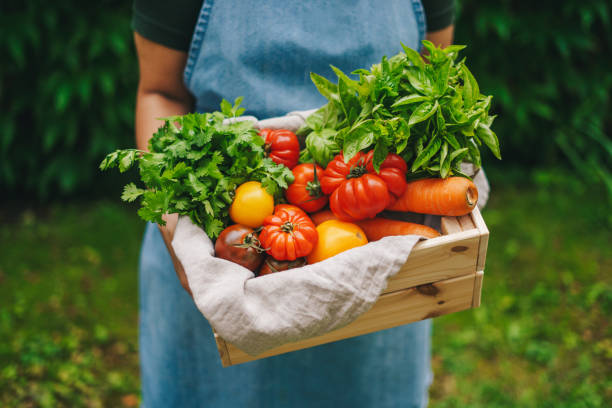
x=258 y=314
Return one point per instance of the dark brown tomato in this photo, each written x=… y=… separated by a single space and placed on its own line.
x=239 y=244
x=271 y=265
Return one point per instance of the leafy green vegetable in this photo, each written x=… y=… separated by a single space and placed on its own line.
x=195 y=163
x=432 y=114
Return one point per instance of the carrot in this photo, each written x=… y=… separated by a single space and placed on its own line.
x=453 y=196
x=322 y=216
x=377 y=228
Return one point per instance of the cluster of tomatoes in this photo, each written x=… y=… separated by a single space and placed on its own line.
x=268 y=238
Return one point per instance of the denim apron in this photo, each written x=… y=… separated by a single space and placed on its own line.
x=265 y=52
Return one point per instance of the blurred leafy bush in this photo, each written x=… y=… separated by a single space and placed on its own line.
x=67 y=82
x=549 y=66
x=69 y=73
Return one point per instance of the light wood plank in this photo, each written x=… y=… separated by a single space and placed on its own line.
x=477 y=289
x=222 y=348
x=484 y=238
x=466 y=222
x=449 y=225
x=391 y=310
x=442 y=258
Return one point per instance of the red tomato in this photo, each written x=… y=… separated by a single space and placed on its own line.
x=357 y=191
x=271 y=265
x=279 y=207
x=282 y=146
x=393 y=171
x=288 y=234
x=305 y=191
x=239 y=244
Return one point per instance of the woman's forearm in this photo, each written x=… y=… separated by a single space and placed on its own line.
x=442 y=38
x=150 y=106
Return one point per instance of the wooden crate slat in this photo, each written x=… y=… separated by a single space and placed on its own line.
x=477 y=288
x=466 y=222
x=391 y=310
x=449 y=225
x=222 y=348
x=438 y=259
x=484 y=238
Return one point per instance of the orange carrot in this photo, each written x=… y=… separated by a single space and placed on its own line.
x=453 y=196
x=322 y=216
x=377 y=228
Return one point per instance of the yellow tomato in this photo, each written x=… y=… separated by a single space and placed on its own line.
x=335 y=237
x=252 y=203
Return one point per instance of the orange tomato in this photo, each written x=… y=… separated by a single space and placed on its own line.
x=252 y=203
x=335 y=237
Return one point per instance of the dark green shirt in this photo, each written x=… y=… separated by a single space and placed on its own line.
x=172 y=23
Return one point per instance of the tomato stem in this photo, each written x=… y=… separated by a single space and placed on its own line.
x=251 y=241
x=287 y=227
x=357 y=171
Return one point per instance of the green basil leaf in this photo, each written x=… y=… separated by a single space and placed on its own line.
x=442 y=77
x=380 y=154
x=452 y=140
x=423 y=112
x=429 y=46
x=406 y=100
x=325 y=87
x=357 y=140
x=419 y=80
x=399 y=147
x=316 y=119
x=458 y=154
x=444 y=160
x=471 y=92
x=414 y=57
x=428 y=152
x=322 y=146
x=350 y=102
x=226 y=108
x=440 y=122
x=354 y=85
x=474 y=153
x=489 y=138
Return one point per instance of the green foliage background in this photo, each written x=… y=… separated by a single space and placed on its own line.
x=67 y=84
x=69 y=73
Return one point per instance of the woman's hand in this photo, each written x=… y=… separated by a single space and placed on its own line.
x=167 y=232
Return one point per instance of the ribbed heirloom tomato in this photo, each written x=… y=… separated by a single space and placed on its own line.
x=288 y=234
x=282 y=146
x=357 y=191
x=305 y=191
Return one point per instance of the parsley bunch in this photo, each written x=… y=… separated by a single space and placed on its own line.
x=432 y=114
x=194 y=164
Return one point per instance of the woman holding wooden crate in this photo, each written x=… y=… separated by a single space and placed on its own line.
x=191 y=54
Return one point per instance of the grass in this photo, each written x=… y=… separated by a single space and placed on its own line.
x=68 y=305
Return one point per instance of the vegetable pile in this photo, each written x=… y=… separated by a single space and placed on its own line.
x=391 y=141
x=432 y=114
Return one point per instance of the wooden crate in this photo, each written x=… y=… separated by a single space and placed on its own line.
x=442 y=275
